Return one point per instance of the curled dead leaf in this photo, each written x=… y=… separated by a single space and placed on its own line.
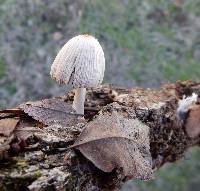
x=113 y=141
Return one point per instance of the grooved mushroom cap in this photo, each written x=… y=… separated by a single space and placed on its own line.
x=80 y=62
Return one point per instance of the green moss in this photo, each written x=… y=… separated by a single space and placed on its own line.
x=71 y=183
x=17 y=183
x=20 y=183
x=12 y=165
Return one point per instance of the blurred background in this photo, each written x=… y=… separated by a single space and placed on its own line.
x=146 y=43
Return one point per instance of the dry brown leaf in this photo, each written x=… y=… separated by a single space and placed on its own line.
x=117 y=142
x=4 y=146
x=51 y=111
x=192 y=124
x=7 y=126
x=25 y=132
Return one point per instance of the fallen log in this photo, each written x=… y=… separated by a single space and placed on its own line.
x=125 y=134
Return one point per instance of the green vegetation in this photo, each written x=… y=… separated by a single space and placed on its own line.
x=145 y=42
x=177 y=176
x=2 y=68
x=151 y=34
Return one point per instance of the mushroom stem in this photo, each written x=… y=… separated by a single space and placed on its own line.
x=79 y=99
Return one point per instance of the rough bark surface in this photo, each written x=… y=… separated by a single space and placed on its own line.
x=36 y=156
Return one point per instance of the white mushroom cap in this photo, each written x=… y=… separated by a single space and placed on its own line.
x=80 y=62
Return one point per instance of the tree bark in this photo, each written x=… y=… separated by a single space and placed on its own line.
x=44 y=161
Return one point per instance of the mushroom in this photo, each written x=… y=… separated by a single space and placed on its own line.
x=81 y=63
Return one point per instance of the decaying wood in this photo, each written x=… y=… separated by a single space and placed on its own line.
x=48 y=147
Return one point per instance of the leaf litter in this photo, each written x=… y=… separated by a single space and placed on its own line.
x=113 y=141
